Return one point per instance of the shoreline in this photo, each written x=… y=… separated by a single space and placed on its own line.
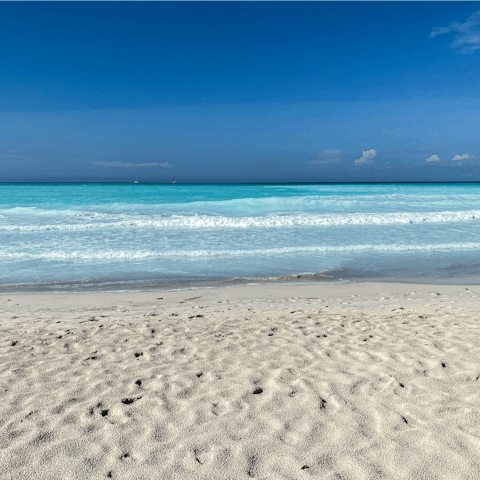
x=84 y=287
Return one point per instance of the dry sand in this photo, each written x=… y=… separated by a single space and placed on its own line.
x=358 y=381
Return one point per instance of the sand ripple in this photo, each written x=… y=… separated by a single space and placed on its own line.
x=283 y=394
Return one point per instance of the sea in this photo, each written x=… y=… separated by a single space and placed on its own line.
x=78 y=237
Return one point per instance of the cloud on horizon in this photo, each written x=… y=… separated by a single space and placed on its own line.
x=433 y=158
x=126 y=164
x=329 y=156
x=468 y=38
x=11 y=154
x=367 y=157
x=465 y=156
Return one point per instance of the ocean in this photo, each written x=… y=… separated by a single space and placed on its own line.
x=86 y=237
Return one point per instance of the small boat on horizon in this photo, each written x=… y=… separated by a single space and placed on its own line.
x=136 y=177
x=173 y=181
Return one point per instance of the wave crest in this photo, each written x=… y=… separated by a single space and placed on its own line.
x=138 y=255
x=269 y=221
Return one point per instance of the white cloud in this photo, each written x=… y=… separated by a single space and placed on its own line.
x=126 y=164
x=433 y=158
x=468 y=38
x=367 y=156
x=465 y=156
x=331 y=151
x=329 y=156
x=10 y=155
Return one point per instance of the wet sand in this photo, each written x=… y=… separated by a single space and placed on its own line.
x=355 y=381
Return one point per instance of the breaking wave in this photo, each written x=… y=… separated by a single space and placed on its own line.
x=269 y=221
x=138 y=255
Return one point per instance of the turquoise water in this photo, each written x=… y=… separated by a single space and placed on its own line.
x=115 y=236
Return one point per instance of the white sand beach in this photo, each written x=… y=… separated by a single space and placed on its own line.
x=356 y=381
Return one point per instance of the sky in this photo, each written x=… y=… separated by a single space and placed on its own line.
x=239 y=91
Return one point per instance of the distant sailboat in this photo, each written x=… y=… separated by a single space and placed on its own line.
x=173 y=181
x=136 y=181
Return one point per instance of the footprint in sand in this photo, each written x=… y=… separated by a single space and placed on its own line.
x=204 y=455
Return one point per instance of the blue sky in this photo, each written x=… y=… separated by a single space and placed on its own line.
x=240 y=91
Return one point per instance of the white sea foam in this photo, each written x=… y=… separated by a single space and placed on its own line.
x=269 y=221
x=316 y=249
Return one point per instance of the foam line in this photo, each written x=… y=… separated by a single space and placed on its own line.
x=269 y=221
x=117 y=255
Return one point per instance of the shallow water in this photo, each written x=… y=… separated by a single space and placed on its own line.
x=115 y=236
